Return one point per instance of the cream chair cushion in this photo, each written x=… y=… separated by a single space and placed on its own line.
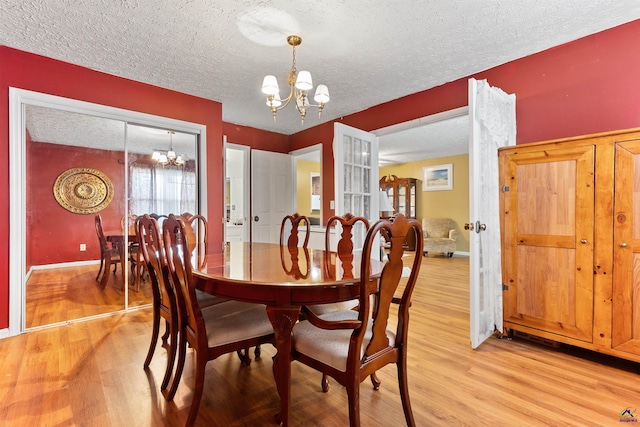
x=331 y=347
x=233 y=321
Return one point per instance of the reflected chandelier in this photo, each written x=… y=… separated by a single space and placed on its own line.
x=300 y=84
x=168 y=157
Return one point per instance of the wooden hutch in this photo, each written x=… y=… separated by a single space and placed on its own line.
x=402 y=193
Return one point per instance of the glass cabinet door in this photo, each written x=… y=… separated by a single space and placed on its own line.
x=402 y=200
x=412 y=200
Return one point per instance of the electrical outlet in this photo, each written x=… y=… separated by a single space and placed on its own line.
x=83 y=247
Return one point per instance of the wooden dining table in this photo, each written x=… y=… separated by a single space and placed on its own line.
x=283 y=279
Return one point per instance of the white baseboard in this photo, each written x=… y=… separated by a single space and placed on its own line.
x=65 y=264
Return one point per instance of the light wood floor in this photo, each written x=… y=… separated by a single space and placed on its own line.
x=90 y=374
x=63 y=294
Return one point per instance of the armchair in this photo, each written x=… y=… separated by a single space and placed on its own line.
x=439 y=235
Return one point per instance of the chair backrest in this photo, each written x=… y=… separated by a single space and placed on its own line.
x=130 y=223
x=292 y=240
x=153 y=253
x=100 y=232
x=195 y=227
x=176 y=240
x=345 y=243
x=347 y=222
x=437 y=227
x=383 y=289
x=159 y=217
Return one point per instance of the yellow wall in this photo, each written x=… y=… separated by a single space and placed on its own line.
x=452 y=204
x=303 y=181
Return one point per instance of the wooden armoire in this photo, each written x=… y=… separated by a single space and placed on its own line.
x=570 y=222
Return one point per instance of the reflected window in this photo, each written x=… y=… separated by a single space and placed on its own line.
x=162 y=190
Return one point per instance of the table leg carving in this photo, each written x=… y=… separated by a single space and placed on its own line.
x=282 y=319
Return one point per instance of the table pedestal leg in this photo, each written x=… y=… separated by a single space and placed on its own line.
x=282 y=319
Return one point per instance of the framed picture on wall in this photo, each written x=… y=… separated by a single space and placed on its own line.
x=437 y=177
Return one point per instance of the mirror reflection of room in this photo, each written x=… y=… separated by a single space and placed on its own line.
x=75 y=173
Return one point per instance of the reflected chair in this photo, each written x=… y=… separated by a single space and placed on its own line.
x=134 y=256
x=159 y=217
x=211 y=331
x=109 y=255
x=292 y=239
x=350 y=345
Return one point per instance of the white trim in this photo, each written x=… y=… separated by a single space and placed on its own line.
x=84 y=319
x=433 y=118
x=18 y=98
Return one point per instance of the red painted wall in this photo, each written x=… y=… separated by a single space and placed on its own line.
x=255 y=138
x=587 y=86
x=54 y=232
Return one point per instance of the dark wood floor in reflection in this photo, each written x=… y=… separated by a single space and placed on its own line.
x=62 y=294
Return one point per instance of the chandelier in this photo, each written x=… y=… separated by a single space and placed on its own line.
x=299 y=83
x=168 y=157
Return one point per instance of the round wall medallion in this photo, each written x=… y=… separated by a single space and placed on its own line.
x=83 y=190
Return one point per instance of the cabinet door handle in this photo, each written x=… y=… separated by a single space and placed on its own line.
x=583 y=241
x=623 y=245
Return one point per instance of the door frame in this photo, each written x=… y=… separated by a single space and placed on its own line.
x=246 y=189
x=18 y=99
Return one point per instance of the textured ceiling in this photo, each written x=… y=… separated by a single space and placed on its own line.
x=367 y=52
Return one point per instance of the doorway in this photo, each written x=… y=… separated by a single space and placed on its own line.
x=236 y=193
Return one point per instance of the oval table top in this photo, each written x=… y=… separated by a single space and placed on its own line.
x=272 y=274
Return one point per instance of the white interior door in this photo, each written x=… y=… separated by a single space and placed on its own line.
x=271 y=194
x=355 y=154
x=492 y=124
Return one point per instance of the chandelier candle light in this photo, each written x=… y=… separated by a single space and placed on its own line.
x=168 y=157
x=300 y=84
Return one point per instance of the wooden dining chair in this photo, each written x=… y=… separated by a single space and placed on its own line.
x=196 y=228
x=344 y=254
x=350 y=345
x=211 y=331
x=292 y=238
x=164 y=303
x=109 y=255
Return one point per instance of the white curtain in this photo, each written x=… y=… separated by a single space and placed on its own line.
x=162 y=190
x=495 y=122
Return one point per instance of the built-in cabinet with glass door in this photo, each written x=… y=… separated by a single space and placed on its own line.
x=403 y=197
x=570 y=219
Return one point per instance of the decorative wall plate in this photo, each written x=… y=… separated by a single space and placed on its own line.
x=83 y=190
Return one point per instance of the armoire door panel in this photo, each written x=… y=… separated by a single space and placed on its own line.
x=626 y=249
x=549 y=219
